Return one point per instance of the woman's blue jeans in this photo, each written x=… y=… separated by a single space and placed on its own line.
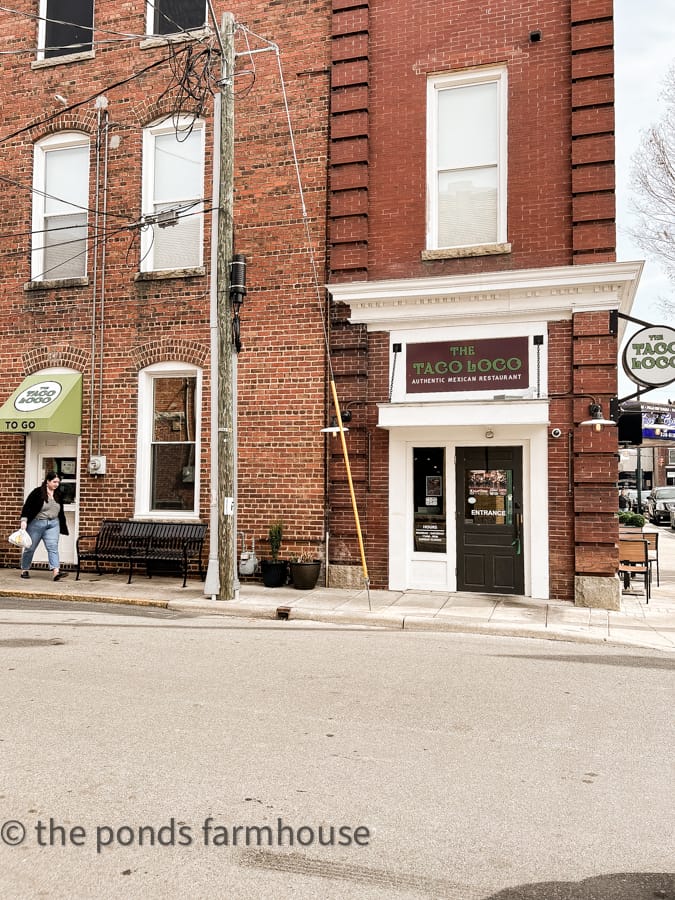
x=48 y=531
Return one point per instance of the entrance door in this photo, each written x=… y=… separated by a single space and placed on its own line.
x=59 y=453
x=490 y=520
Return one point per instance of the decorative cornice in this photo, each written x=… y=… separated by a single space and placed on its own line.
x=547 y=294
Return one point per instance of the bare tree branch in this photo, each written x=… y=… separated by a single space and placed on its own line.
x=653 y=189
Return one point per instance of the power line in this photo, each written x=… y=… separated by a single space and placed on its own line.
x=127 y=35
x=110 y=87
x=47 y=196
x=144 y=221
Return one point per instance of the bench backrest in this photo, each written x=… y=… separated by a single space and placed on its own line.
x=123 y=534
x=635 y=552
x=652 y=538
x=176 y=535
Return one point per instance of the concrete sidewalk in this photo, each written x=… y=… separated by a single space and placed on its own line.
x=638 y=624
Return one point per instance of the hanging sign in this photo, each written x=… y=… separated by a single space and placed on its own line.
x=649 y=357
x=481 y=365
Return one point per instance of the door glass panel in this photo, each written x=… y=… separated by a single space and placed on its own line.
x=488 y=496
x=66 y=468
x=429 y=499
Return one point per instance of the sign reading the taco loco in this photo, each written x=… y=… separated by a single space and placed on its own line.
x=482 y=365
x=649 y=356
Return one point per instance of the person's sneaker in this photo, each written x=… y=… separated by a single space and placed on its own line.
x=60 y=576
x=25 y=574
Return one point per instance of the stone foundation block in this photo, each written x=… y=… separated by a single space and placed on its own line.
x=597 y=592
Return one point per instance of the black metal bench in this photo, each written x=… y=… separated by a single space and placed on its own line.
x=121 y=540
x=175 y=542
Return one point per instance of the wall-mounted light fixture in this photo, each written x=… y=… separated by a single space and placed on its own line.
x=597 y=420
x=334 y=428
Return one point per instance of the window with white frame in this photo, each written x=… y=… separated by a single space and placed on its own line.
x=466 y=159
x=174 y=16
x=169 y=426
x=60 y=202
x=65 y=27
x=173 y=187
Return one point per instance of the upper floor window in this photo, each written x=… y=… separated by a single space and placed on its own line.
x=60 y=201
x=174 y=16
x=466 y=159
x=173 y=187
x=65 y=27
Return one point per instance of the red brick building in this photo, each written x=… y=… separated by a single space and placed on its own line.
x=456 y=164
x=107 y=264
x=472 y=272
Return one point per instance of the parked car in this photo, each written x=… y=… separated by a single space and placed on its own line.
x=661 y=501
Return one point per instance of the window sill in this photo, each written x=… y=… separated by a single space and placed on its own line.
x=161 y=40
x=164 y=274
x=61 y=60
x=56 y=283
x=168 y=516
x=474 y=250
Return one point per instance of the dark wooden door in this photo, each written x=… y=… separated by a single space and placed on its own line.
x=490 y=520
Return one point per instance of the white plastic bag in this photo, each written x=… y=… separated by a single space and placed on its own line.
x=21 y=538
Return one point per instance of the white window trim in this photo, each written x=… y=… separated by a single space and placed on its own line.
x=144 y=439
x=165 y=126
x=438 y=83
x=64 y=140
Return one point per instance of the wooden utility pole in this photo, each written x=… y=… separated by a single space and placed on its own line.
x=226 y=410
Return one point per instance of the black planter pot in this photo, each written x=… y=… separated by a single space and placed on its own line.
x=305 y=574
x=274 y=572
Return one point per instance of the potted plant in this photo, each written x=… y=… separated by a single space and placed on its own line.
x=631 y=520
x=274 y=571
x=305 y=570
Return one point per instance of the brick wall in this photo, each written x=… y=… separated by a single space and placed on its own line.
x=282 y=366
x=560 y=211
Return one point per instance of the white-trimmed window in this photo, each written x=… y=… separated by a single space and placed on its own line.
x=466 y=159
x=60 y=202
x=65 y=27
x=169 y=428
x=173 y=188
x=174 y=16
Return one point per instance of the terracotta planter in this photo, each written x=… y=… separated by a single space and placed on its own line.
x=305 y=574
x=274 y=572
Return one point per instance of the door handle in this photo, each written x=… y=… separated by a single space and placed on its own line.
x=517 y=541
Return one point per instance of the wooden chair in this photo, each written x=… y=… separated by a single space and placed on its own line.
x=652 y=538
x=634 y=560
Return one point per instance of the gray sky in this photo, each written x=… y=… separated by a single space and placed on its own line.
x=644 y=51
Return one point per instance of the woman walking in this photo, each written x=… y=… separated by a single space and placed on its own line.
x=44 y=519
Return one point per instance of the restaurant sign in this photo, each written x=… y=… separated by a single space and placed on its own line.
x=649 y=357
x=481 y=365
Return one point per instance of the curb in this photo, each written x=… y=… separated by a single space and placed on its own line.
x=84 y=598
x=373 y=620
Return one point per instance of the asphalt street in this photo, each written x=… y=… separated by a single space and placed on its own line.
x=354 y=762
